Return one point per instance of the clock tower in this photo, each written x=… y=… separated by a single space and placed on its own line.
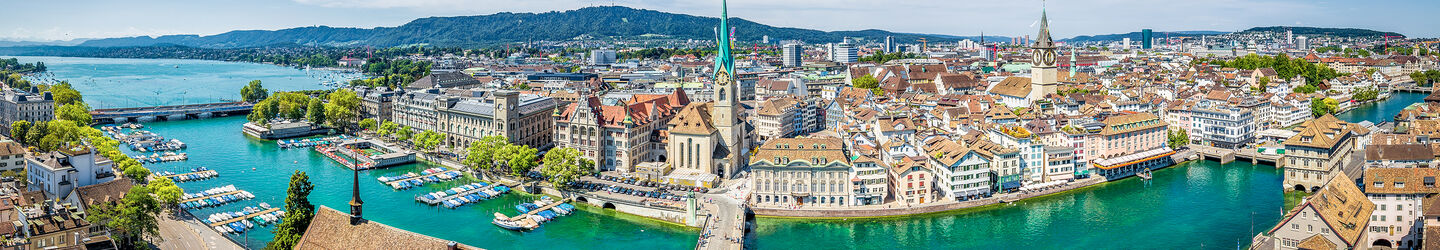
x=1043 y=72
x=726 y=116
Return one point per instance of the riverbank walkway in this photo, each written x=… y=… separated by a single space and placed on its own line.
x=248 y=216
x=212 y=196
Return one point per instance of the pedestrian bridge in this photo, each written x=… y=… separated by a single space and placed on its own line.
x=123 y=115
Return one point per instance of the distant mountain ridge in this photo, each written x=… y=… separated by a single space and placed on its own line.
x=483 y=30
x=1136 y=36
x=1310 y=31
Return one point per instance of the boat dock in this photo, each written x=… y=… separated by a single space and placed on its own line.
x=490 y=188
x=537 y=210
x=422 y=180
x=191 y=176
x=248 y=216
x=212 y=196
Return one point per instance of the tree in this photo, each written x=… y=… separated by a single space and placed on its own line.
x=868 y=82
x=386 y=129
x=520 y=158
x=1306 y=89
x=64 y=94
x=315 y=111
x=428 y=139
x=340 y=111
x=1322 y=106
x=76 y=112
x=1177 y=138
x=1365 y=94
x=36 y=133
x=19 y=129
x=1264 y=82
x=481 y=154
x=137 y=173
x=165 y=191
x=564 y=165
x=254 y=92
x=367 y=124
x=131 y=220
x=298 y=212
x=404 y=133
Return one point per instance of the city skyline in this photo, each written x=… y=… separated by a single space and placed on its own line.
x=98 y=19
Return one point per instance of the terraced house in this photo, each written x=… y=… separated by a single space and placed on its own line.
x=1319 y=150
x=802 y=172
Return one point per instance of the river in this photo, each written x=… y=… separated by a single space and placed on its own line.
x=1193 y=205
x=117 y=83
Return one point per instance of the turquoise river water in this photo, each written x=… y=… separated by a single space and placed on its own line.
x=1193 y=205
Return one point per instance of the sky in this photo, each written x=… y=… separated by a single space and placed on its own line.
x=48 y=20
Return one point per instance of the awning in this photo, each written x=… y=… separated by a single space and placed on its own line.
x=1126 y=160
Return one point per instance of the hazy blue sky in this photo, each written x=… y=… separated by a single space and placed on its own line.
x=63 y=20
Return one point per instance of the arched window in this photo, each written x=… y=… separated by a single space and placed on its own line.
x=722 y=94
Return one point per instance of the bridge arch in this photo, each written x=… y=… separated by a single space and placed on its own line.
x=608 y=205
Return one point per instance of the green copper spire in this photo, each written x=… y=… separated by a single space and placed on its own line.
x=723 y=59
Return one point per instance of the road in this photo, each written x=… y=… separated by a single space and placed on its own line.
x=724 y=229
x=185 y=232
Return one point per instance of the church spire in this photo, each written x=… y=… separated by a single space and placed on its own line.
x=1043 y=39
x=355 y=202
x=723 y=59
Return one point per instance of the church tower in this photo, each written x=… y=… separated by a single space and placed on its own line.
x=1043 y=72
x=726 y=116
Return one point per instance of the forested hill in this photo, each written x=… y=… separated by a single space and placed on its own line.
x=1312 y=31
x=477 y=31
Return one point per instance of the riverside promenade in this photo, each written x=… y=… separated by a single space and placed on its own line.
x=893 y=209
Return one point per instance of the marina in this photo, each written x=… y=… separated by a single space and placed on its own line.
x=142 y=141
x=197 y=174
x=239 y=221
x=310 y=142
x=533 y=214
x=410 y=180
x=161 y=157
x=465 y=194
x=215 y=197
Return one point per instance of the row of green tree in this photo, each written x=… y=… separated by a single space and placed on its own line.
x=1285 y=68
x=392 y=73
x=883 y=57
x=496 y=155
x=1425 y=78
x=338 y=109
x=14 y=65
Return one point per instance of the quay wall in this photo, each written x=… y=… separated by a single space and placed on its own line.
x=914 y=210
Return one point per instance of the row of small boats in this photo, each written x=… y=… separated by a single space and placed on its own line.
x=411 y=180
x=463 y=195
x=196 y=174
x=161 y=157
x=218 y=200
x=309 y=142
x=240 y=226
x=530 y=221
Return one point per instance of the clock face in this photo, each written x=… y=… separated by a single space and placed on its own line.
x=1049 y=57
x=722 y=78
x=1044 y=57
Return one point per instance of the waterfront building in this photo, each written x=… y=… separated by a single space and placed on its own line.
x=1059 y=164
x=1219 y=124
x=871 y=179
x=802 y=172
x=376 y=103
x=621 y=135
x=1318 y=151
x=1128 y=144
x=12 y=156
x=709 y=137
x=791 y=55
x=524 y=119
x=1338 y=213
x=961 y=173
x=416 y=109
x=913 y=185
x=1398 y=194
x=1031 y=152
x=22 y=105
x=59 y=172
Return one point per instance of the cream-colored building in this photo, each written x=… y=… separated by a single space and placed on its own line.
x=618 y=136
x=1319 y=150
x=1338 y=213
x=802 y=172
x=22 y=105
x=523 y=119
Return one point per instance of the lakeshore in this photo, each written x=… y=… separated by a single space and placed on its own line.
x=120 y=82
